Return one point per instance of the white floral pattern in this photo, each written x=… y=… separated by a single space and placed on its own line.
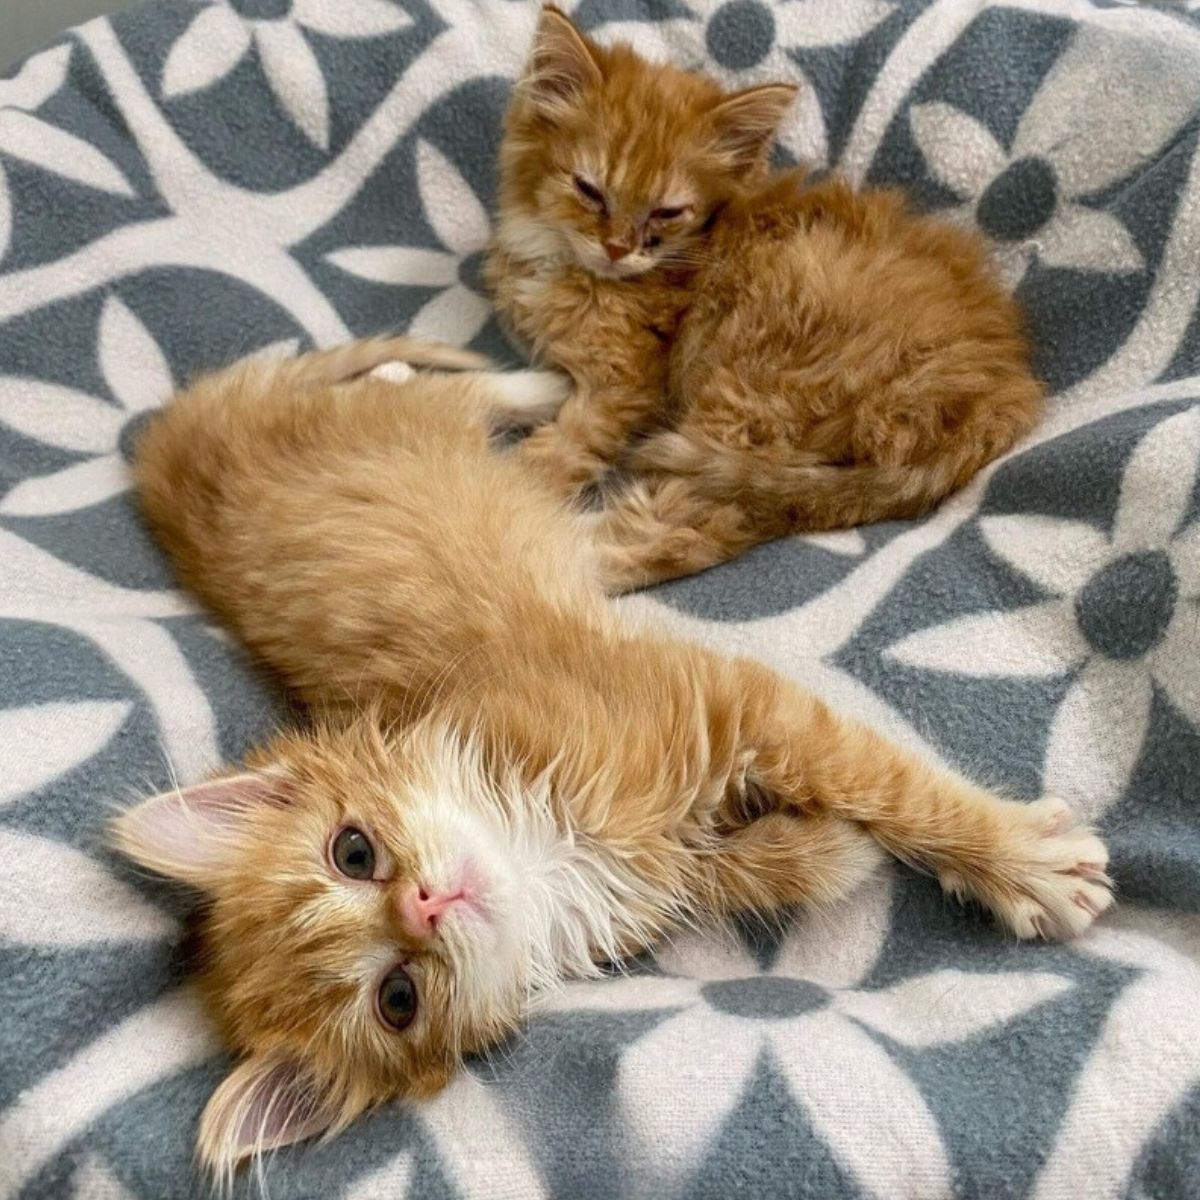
x=458 y=312
x=27 y=137
x=890 y=1039
x=1072 y=142
x=1116 y=657
x=218 y=39
x=735 y=1013
x=138 y=377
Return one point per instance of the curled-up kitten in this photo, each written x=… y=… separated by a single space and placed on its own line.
x=822 y=356
x=507 y=780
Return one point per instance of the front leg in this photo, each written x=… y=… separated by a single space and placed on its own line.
x=1032 y=865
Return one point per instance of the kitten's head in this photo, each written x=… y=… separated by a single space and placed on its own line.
x=619 y=162
x=363 y=925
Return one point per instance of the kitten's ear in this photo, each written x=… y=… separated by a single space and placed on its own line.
x=745 y=123
x=265 y=1102
x=563 y=64
x=190 y=833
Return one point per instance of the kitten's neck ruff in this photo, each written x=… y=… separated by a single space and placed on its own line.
x=583 y=904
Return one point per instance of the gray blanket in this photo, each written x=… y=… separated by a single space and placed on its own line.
x=189 y=183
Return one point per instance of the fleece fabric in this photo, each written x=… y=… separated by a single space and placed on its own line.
x=187 y=183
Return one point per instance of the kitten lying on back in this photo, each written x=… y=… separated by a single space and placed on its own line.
x=506 y=780
x=823 y=357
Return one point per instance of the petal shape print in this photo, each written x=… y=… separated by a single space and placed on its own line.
x=950 y=1005
x=37 y=80
x=450 y=203
x=959 y=151
x=1083 y=239
x=59 y=416
x=1039 y=640
x=1097 y=734
x=44 y=741
x=398 y=265
x=72 y=488
x=866 y=1099
x=211 y=46
x=362 y=19
x=455 y=316
x=53 y=149
x=1059 y=556
x=812 y=23
x=1157 y=485
x=295 y=77
x=39 y=873
x=132 y=364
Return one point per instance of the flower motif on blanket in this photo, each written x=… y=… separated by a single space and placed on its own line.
x=1032 y=198
x=221 y=36
x=1121 y=615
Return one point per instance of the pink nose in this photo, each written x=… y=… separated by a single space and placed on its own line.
x=421 y=910
x=616 y=250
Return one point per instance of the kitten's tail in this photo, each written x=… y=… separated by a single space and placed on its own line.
x=340 y=363
x=816 y=495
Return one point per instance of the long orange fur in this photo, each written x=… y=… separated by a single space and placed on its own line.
x=481 y=710
x=801 y=355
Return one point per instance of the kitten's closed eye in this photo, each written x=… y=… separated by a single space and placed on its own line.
x=353 y=854
x=668 y=214
x=590 y=192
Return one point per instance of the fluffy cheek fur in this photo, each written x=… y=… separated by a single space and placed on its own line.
x=603 y=148
x=293 y=953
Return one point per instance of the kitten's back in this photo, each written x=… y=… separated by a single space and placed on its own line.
x=415 y=536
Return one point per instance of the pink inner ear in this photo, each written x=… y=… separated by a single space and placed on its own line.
x=282 y=1108
x=262 y=1105
x=186 y=833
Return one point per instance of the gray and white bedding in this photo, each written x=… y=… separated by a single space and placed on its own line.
x=187 y=183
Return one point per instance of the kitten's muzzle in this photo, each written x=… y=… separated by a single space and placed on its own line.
x=421 y=909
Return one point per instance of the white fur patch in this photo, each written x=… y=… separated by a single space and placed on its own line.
x=531 y=240
x=393 y=372
x=551 y=898
x=530 y=396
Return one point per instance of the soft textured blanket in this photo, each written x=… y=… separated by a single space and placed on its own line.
x=192 y=182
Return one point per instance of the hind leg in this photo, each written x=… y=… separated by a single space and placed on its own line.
x=788 y=859
x=662 y=528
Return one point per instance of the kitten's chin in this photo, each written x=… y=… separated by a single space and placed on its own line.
x=596 y=263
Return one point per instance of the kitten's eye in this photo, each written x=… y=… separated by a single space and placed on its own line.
x=666 y=214
x=398 y=999
x=589 y=191
x=353 y=855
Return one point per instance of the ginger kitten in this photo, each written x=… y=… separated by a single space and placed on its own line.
x=802 y=356
x=506 y=780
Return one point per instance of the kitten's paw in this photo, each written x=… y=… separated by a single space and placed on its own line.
x=1048 y=881
x=393 y=372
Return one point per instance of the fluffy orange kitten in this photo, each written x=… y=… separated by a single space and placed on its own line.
x=822 y=357
x=506 y=781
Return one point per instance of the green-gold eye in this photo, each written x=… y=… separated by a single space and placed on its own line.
x=398 y=999
x=353 y=854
